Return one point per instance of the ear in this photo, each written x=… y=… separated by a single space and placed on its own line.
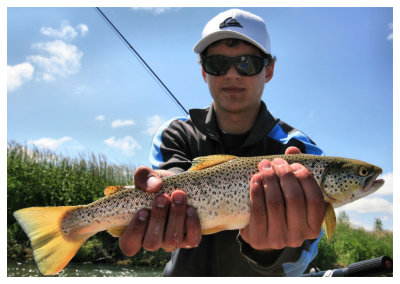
x=269 y=72
x=204 y=74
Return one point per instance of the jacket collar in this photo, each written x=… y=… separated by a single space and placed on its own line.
x=205 y=121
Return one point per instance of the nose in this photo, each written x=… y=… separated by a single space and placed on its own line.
x=232 y=73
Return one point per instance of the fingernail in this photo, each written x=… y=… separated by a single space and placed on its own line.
x=279 y=161
x=296 y=167
x=178 y=199
x=151 y=182
x=266 y=165
x=190 y=211
x=257 y=179
x=161 y=202
x=143 y=214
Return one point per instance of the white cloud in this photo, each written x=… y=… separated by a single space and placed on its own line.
x=18 y=74
x=127 y=144
x=122 y=123
x=390 y=36
x=370 y=205
x=99 y=118
x=65 y=31
x=82 y=89
x=83 y=29
x=156 y=10
x=49 y=143
x=153 y=124
x=59 y=60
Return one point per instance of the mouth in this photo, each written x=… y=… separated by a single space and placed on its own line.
x=373 y=184
x=233 y=89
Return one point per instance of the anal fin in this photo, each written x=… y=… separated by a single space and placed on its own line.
x=213 y=230
x=117 y=231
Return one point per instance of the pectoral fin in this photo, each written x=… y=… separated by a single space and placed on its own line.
x=329 y=223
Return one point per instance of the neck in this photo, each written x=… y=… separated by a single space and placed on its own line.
x=236 y=123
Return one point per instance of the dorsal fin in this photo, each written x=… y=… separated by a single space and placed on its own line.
x=201 y=163
x=112 y=189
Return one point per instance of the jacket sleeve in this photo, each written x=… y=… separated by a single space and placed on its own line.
x=284 y=262
x=169 y=149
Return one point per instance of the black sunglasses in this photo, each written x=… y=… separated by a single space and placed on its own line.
x=246 y=65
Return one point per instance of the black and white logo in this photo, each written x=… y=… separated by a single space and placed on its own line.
x=230 y=22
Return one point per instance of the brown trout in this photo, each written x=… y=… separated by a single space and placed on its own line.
x=218 y=186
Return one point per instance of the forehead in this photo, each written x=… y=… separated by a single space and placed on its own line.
x=238 y=49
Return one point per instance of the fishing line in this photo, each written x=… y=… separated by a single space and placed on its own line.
x=141 y=60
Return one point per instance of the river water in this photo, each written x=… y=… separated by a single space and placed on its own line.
x=28 y=268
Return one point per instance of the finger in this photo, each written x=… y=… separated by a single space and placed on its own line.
x=257 y=228
x=154 y=236
x=193 y=229
x=275 y=206
x=314 y=199
x=293 y=195
x=147 y=179
x=292 y=150
x=176 y=221
x=131 y=240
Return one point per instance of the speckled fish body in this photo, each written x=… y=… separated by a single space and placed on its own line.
x=217 y=186
x=221 y=192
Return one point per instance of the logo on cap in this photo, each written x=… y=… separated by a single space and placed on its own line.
x=230 y=22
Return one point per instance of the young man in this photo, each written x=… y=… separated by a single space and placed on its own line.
x=286 y=205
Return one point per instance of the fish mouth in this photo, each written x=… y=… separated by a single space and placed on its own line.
x=373 y=184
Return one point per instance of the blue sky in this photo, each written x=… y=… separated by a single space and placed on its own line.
x=74 y=87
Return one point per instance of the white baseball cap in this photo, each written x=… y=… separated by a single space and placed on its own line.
x=235 y=23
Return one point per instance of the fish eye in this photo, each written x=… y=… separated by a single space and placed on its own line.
x=363 y=171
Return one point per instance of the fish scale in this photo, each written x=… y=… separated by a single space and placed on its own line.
x=217 y=186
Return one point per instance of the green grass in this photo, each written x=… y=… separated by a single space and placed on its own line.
x=42 y=178
x=350 y=244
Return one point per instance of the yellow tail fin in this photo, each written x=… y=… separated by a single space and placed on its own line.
x=51 y=249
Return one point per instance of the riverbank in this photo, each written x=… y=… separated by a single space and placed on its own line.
x=16 y=268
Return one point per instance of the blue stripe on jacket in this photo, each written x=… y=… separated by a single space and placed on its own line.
x=156 y=157
x=278 y=134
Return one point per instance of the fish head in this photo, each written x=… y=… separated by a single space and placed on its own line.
x=348 y=180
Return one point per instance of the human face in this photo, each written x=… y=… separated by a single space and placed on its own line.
x=233 y=93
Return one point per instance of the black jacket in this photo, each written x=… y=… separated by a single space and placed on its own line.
x=181 y=140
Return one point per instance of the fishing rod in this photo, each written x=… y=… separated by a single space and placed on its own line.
x=144 y=63
x=371 y=267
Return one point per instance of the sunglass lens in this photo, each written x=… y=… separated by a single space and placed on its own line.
x=216 y=65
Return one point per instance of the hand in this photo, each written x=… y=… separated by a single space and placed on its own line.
x=169 y=225
x=286 y=206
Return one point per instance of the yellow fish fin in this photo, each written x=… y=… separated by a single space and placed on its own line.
x=213 y=230
x=201 y=163
x=112 y=189
x=329 y=223
x=52 y=250
x=117 y=232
